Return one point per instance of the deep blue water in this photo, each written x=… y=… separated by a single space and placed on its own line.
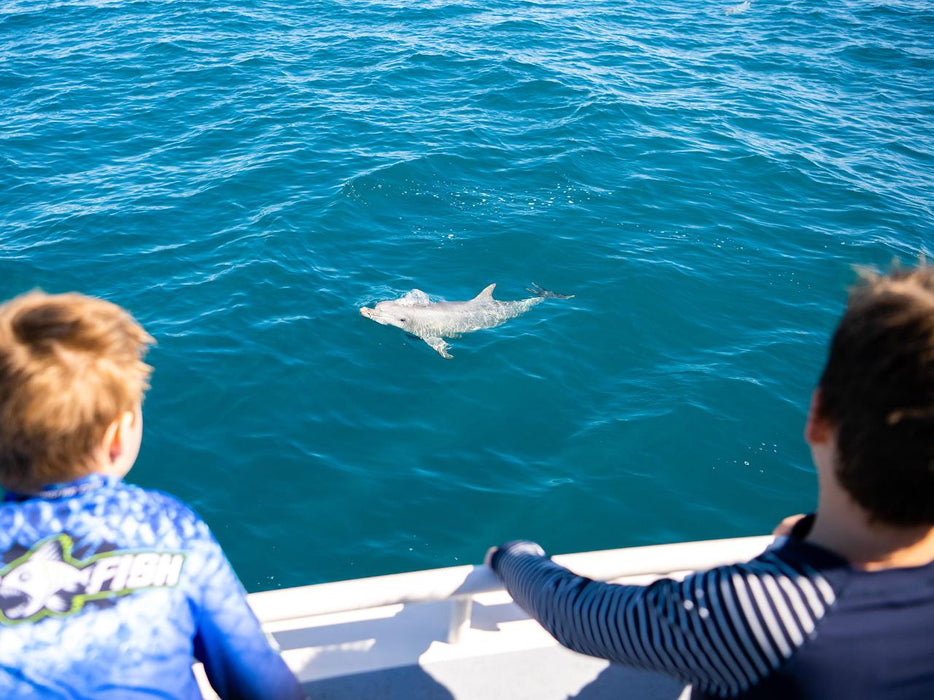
x=244 y=176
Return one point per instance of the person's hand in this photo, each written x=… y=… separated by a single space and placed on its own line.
x=784 y=528
x=513 y=546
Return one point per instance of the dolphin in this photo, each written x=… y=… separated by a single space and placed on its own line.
x=432 y=321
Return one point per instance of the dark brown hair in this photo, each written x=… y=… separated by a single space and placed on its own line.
x=877 y=389
x=69 y=366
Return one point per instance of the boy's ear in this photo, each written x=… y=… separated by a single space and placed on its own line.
x=113 y=442
x=818 y=429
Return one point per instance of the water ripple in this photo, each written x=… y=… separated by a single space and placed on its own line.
x=243 y=178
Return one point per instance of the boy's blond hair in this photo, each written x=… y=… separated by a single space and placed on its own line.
x=69 y=366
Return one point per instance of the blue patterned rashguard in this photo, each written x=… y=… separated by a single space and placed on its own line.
x=108 y=590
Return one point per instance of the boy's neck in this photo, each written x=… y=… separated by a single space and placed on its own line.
x=842 y=526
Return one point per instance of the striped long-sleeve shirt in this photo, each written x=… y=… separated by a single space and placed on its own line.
x=795 y=622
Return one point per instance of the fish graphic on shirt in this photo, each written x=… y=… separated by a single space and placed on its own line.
x=42 y=581
x=48 y=581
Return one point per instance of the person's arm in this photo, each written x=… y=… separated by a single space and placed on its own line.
x=722 y=630
x=239 y=659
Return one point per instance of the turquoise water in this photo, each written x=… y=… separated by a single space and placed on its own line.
x=244 y=176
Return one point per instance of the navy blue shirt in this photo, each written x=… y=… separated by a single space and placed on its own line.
x=795 y=622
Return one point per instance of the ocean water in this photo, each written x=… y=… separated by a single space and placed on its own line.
x=242 y=177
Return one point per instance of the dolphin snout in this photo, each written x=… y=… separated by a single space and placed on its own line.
x=371 y=314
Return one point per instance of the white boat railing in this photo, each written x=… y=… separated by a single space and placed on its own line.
x=460 y=584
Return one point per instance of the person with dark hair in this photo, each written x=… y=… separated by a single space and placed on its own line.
x=842 y=604
x=107 y=590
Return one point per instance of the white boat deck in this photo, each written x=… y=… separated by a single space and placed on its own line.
x=456 y=634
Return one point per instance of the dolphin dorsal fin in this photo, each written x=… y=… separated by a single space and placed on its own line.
x=487 y=293
x=414 y=298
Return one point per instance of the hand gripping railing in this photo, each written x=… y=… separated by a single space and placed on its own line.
x=461 y=583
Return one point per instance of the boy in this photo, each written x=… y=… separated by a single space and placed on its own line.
x=842 y=607
x=106 y=590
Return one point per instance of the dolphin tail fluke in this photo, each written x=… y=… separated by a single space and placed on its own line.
x=547 y=294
